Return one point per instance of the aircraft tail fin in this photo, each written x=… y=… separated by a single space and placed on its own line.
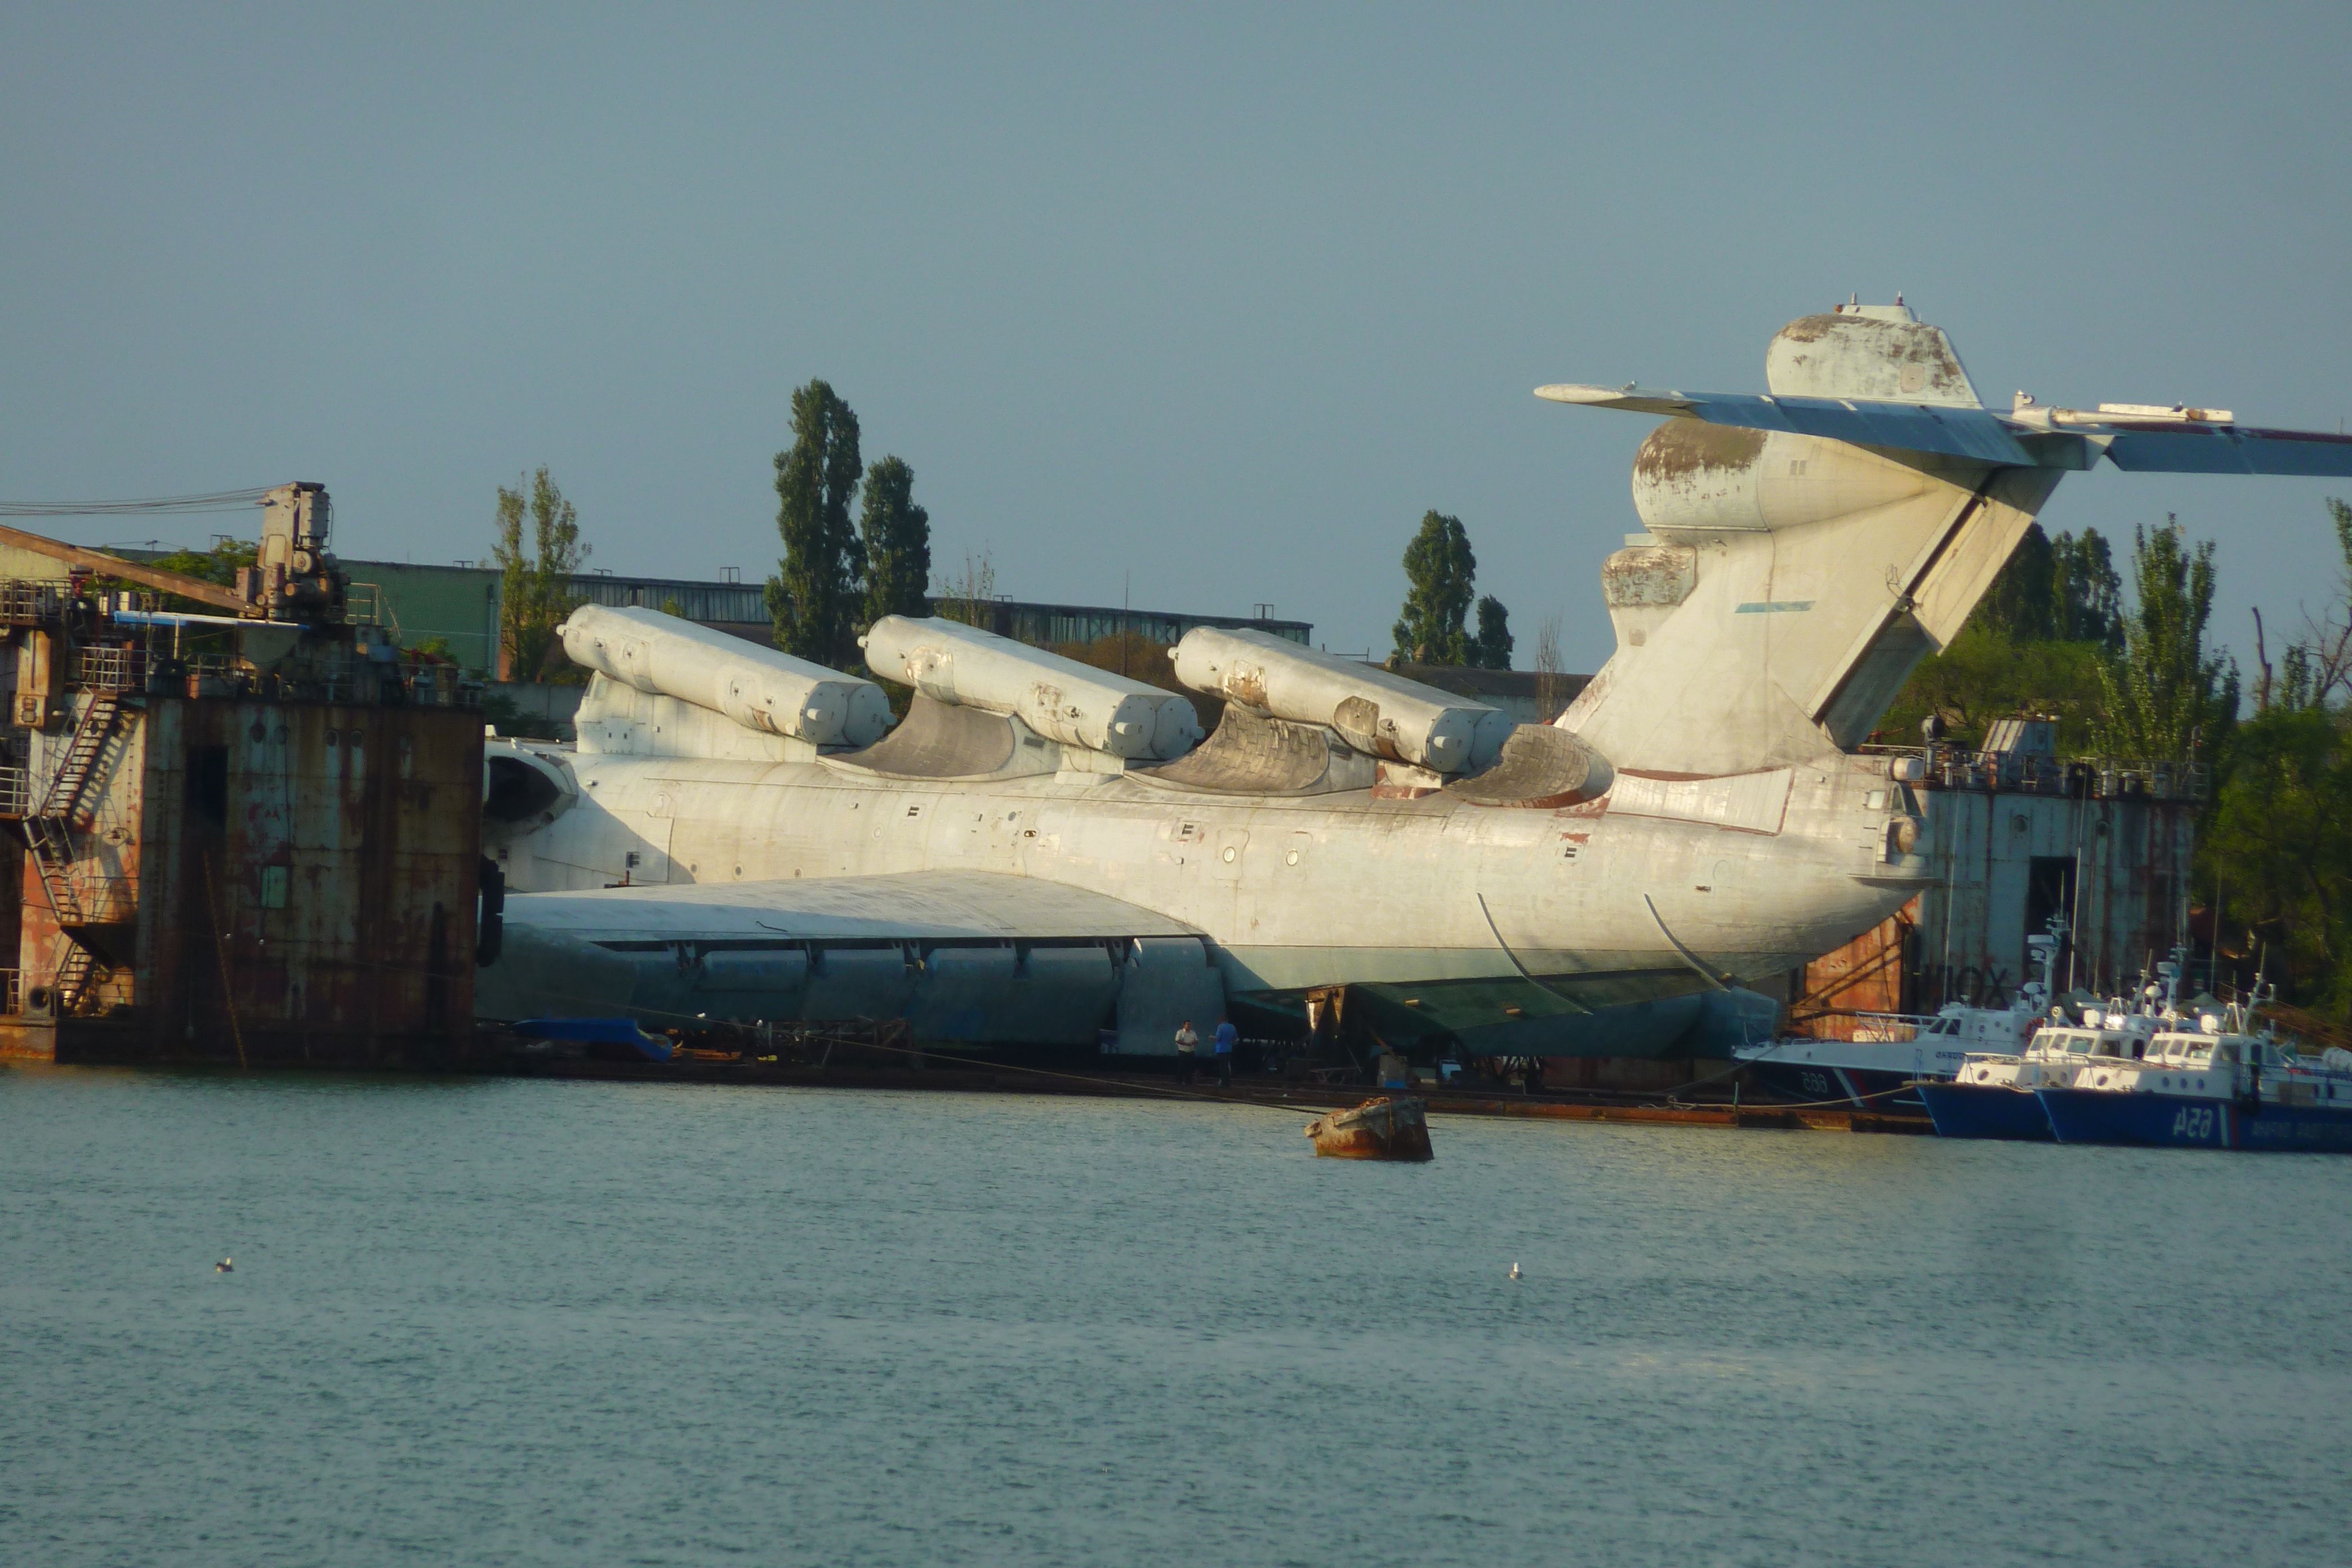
x=1788 y=581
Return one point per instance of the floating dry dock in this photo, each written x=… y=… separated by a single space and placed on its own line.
x=249 y=829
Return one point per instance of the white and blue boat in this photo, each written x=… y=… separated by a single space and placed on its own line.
x=2213 y=1085
x=1996 y=1096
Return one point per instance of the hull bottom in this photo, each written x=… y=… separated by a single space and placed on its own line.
x=1975 y=1110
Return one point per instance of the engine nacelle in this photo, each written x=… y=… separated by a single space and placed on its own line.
x=1378 y=714
x=1059 y=697
x=758 y=688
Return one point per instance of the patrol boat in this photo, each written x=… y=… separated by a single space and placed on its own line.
x=1890 y=1053
x=2214 y=1085
x=1993 y=1096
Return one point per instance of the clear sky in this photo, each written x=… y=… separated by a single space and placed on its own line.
x=1221 y=298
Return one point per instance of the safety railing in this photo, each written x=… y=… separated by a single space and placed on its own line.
x=31 y=603
x=2082 y=778
x=109 y=668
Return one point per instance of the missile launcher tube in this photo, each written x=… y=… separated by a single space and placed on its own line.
x=758 y=688
x=1060 y=699
x=1383 y=714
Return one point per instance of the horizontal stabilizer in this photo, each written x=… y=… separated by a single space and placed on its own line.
x=2229 y=449
x=2163 y=446
x=1975 y=434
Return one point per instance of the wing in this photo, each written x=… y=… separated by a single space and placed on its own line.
x=1973 y=433
x=964 y=956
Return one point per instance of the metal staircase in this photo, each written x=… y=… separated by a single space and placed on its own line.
x=48 y=835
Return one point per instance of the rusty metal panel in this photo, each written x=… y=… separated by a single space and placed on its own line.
x=312 y=879
x=264 y=881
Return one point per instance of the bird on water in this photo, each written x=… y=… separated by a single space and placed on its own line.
x=226 y=1266
x=1514 y=1269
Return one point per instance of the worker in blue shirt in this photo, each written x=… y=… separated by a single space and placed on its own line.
x=1227 y=1037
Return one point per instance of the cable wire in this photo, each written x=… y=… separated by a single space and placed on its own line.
x=214 y=500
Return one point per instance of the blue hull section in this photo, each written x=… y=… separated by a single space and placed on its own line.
x=1977 y=1110
x=2169 y=1121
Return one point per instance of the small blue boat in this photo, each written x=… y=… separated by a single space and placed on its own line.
x=599 y=1036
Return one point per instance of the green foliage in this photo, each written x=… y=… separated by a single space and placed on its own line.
x=2087 y=596
x=898 y=543
x=1440 y=576
x=1985 y=675
x=1492 y=648
x=2061 y=590
x=814 y=599
x=217 y=565
x=535 y=574
x=2280 y=848
x=2051 y=636
x=2166 y=698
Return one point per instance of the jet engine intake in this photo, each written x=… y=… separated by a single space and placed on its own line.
x=758 y=688
x=1379 y=714
x=1059 y=697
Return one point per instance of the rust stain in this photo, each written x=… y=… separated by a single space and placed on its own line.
x=1388 y=1127
x=1682 y=448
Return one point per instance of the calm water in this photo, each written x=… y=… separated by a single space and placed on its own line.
x=510 y=1322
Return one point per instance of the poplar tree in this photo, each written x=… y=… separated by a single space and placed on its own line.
x=2165 y=694
x=1493 y=649
x=535 y=577
x=814 y=599
x=1440 y=572
x=898 y=543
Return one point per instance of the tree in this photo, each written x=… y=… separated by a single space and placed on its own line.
x=1440 y=572
x=2087 y=596
x=1985 y=675
x=969 y=598
x=1492 y=650
x=2316 y=667
x=812 y=599
x=2279 y=841
x=1551 y=685
x=2019 y=603
x=535 y=577
x=898 y=543
x=2167 y=697
x=2061 y=590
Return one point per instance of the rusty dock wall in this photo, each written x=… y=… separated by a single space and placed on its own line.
x=244 y=877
